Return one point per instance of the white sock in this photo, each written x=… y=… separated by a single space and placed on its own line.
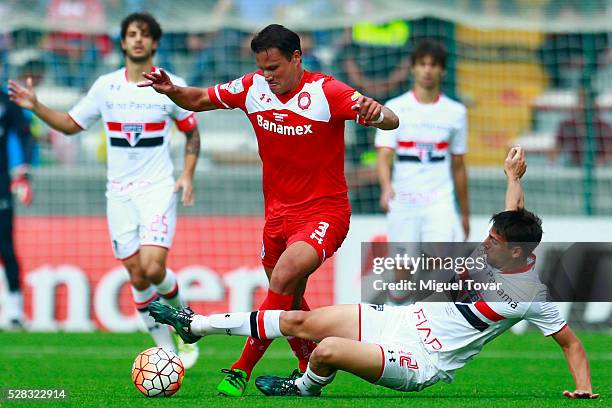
x=168 y=290
x=14 y=305
x=159 y=332
x=271 y=320
x=311 y=383
x=263 y=324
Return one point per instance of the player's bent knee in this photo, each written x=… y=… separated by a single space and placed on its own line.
x=292 y=322
x=287 y=275
x=139 y=282
x=283 y=283
x=326 y=350
x=154 y=272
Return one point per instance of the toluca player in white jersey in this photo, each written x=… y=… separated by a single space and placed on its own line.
x=426 y=153
x=408 y=348
x=141 y=202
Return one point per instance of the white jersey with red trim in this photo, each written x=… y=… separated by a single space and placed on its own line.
x=458 y=331
x=427 y=135
x=137 y=123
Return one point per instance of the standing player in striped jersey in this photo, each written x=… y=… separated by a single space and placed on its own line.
x=141 y=204
x=409 y=348
x=298 y=118
x=426 y=153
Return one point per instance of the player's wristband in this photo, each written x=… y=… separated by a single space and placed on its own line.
x=381 y=117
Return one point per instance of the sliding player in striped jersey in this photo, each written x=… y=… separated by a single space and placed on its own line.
x=140 y=190
x=409 y=348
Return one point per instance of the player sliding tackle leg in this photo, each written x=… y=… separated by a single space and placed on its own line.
x=335 y=328
x=408 y=348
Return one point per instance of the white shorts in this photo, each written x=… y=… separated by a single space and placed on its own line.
x=146 y=218
x=437 y=222
x=407 y=366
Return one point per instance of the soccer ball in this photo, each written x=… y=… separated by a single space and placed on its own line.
x=157 y=372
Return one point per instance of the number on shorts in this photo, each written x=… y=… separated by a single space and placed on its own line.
x=407 y=361
x=319 y=233
x=159 y=224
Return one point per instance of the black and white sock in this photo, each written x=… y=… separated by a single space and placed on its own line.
x=169 y=291
x=262 y=324
x=159 y=332
x=311 y=383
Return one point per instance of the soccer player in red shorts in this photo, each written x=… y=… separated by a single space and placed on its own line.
x=298 y=118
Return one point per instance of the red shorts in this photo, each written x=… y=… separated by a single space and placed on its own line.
x=323 y=227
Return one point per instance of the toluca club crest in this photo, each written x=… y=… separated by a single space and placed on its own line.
x=304 y=100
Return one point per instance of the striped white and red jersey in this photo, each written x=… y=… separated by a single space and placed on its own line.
x=458 y=331
x=300 y=136
x=427 y=135
x=137 y=123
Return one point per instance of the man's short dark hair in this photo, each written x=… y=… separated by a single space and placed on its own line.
x=276 y=36
x=144 y=18
x=519 y=227
x=429 y=48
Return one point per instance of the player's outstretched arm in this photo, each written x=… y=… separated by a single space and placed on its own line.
x=25 y=97
x=190 y=98
x=577 y=362
x=514 y=168
x=374 y=114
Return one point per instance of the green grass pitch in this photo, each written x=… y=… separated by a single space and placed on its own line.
x=512 y=371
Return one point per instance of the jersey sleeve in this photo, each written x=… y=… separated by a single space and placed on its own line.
x=459 y=138
x=386 y=138
x=546 y=317
x=185 y=120
x=232 y=94
x=341 y=98
x=87 y=111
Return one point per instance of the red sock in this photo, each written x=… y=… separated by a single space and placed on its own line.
x=302 y=348
x=254 y=349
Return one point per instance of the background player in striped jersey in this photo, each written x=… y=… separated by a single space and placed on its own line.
x=408 y=348
x=426 y=154
x=141 y=204
x=298 y=118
